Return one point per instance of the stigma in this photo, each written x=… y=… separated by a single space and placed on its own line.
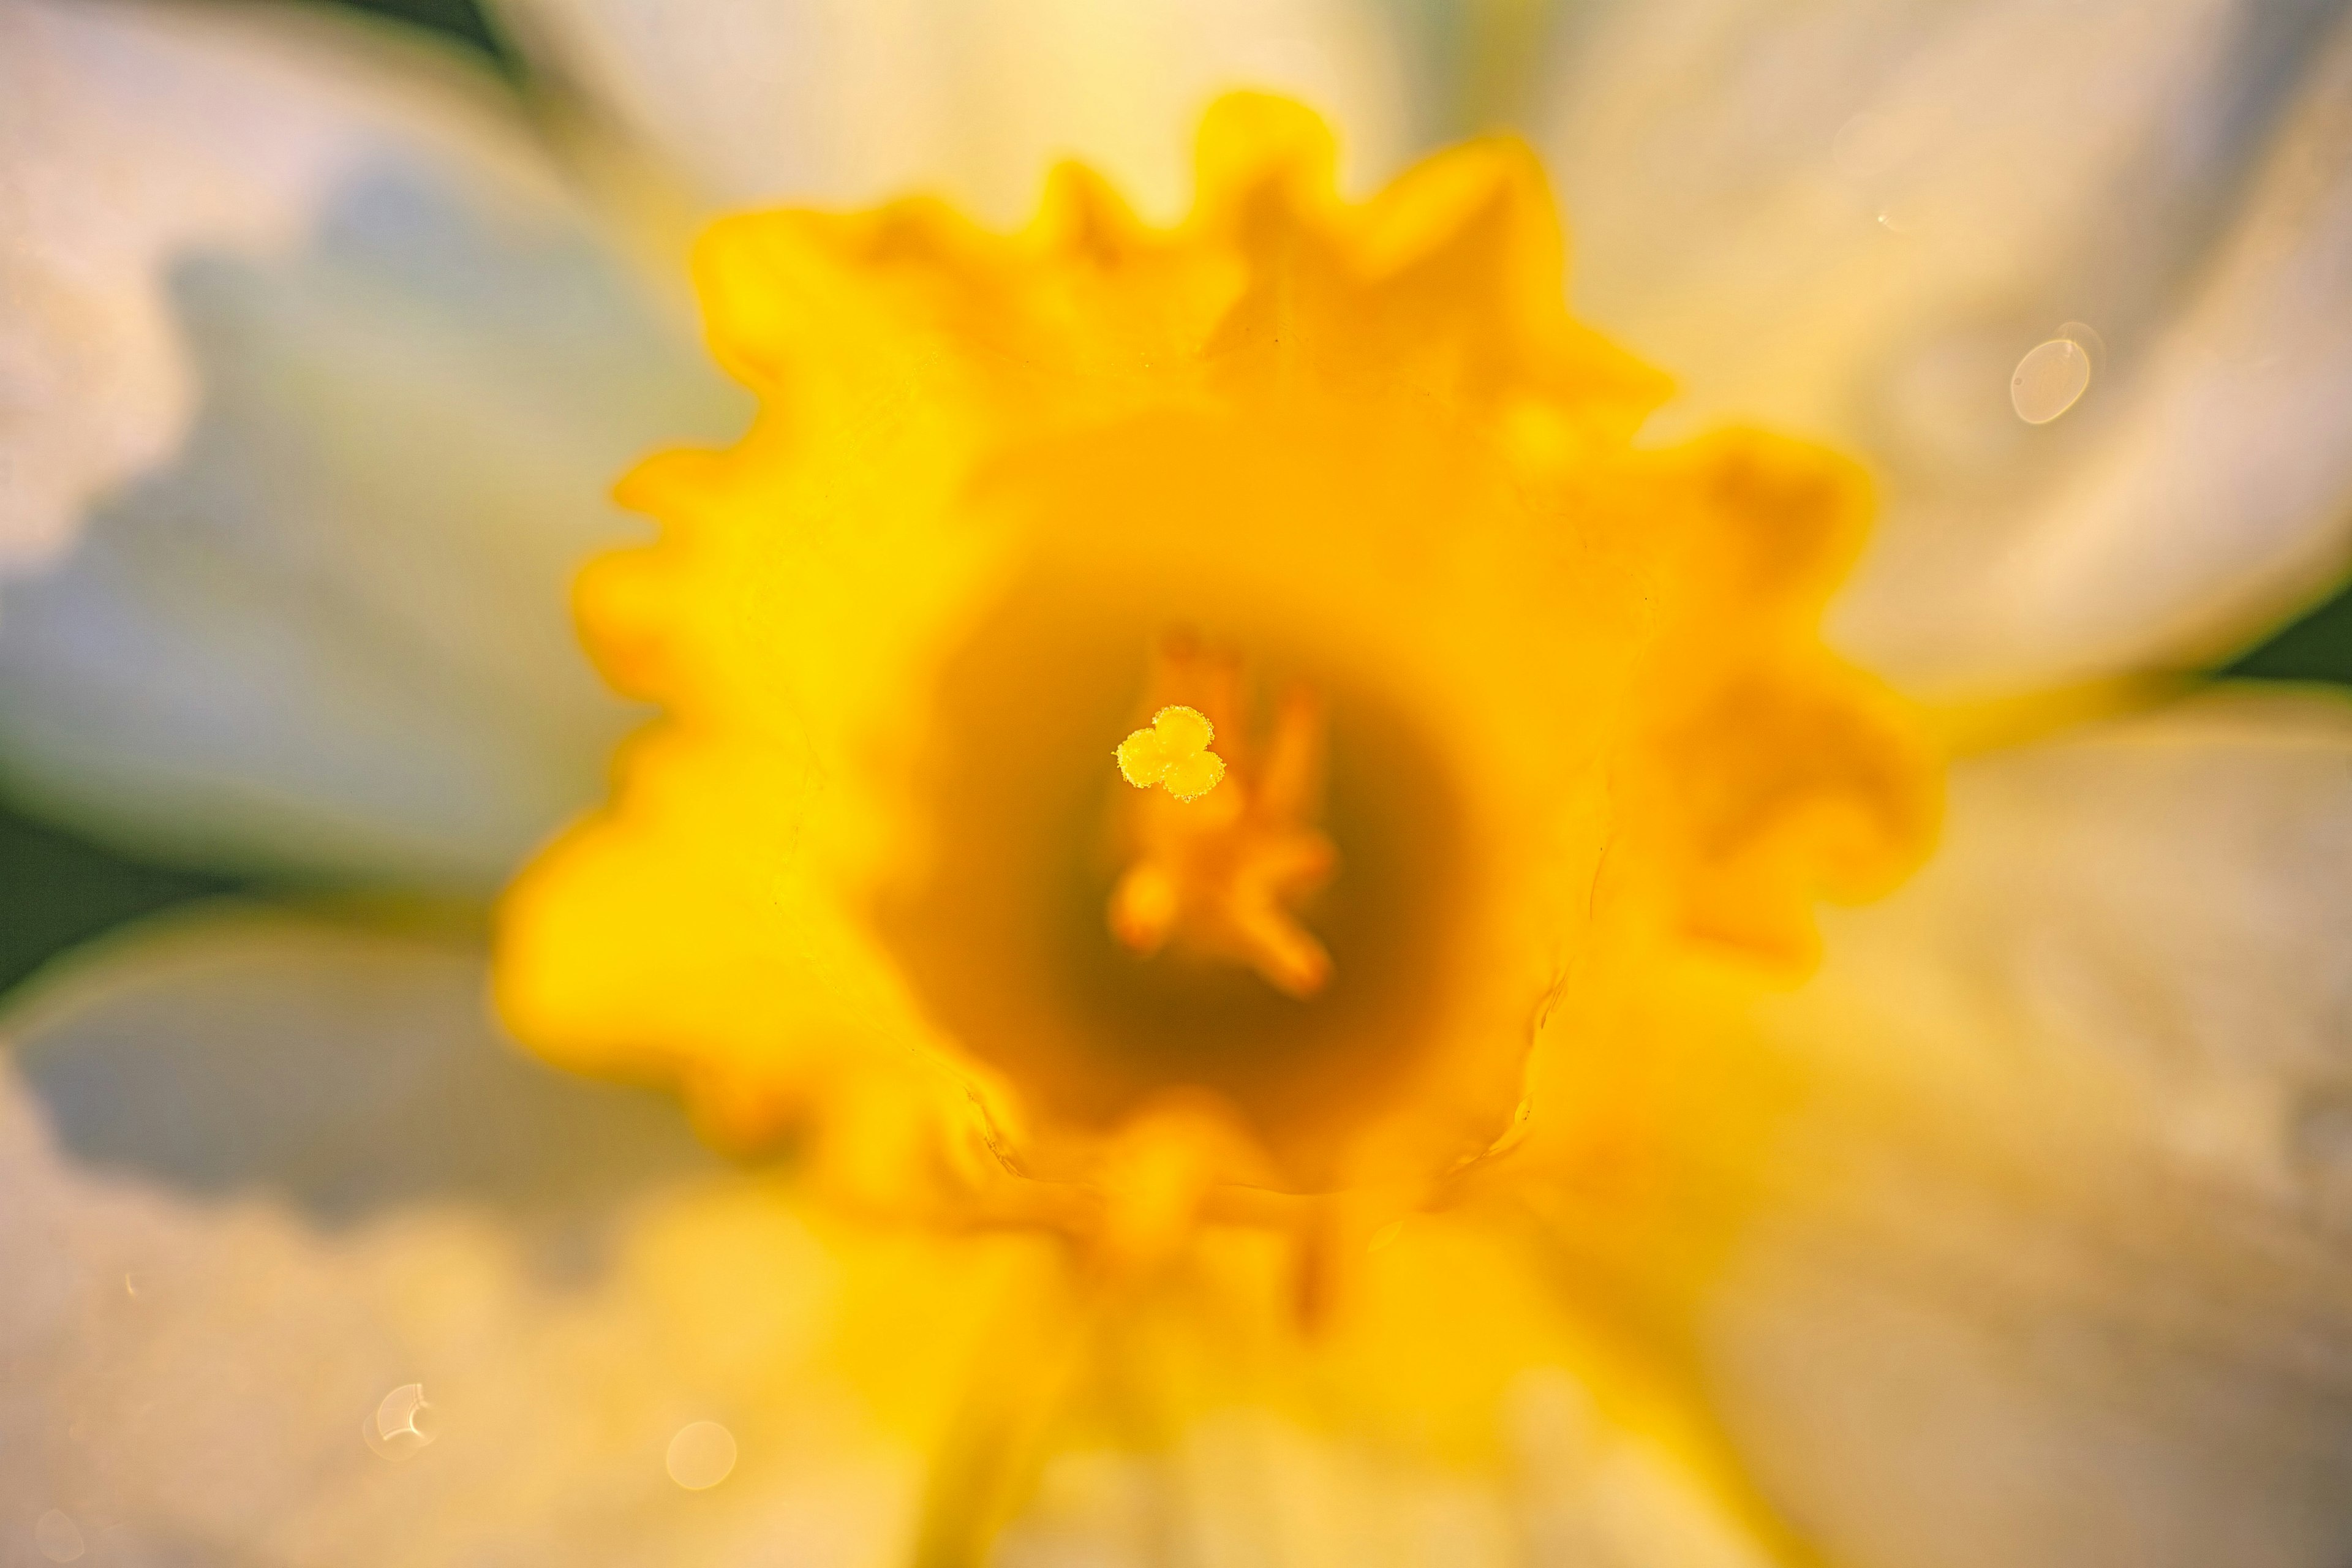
x=1173 y=753
x=1223 y=855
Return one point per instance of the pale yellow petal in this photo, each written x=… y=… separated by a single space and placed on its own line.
x=1245 y=1487
x=844 y=102
x=2057 y=1271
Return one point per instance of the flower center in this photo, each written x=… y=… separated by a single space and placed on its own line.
x=1282 y=940
x=1222 y=872
x=1532 y=709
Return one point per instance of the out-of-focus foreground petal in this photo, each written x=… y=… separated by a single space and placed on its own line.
x=270 y=1181
x=844 y=102
x=315 y=379
x=1856 y=221
x=2056 y=1274
x=262 y=1176
x=2062 y=1277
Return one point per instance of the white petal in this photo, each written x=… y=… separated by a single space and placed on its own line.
x=2062 y=1270
x=375 y=373
x=125 y=137
x=847 y=101
x=262 y=1177
x=1856 y=220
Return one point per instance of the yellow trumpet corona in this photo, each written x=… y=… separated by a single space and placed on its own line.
x=1552 y=704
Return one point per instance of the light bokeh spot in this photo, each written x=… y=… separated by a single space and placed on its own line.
x=397 y=1429
x=2088 y=338
x=2049 y=380
x=57 y=1536
x=701 y=1455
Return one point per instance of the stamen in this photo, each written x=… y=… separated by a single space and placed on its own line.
x=1223 y=874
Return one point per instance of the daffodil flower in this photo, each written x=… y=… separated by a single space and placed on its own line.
x=1230 y=803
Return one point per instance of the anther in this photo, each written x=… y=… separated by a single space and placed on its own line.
x=1173 y=753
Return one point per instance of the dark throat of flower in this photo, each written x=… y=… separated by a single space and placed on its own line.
x=1257 y=903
